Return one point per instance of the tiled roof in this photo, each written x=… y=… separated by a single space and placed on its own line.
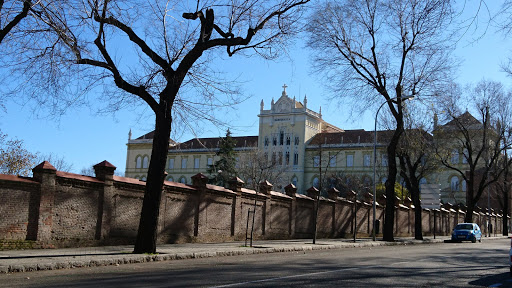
x=359 y=136
x=346 y=137
x=17 y=178
x=151 y=135
x=213 y=143
x=466 y=119
x=77 y=177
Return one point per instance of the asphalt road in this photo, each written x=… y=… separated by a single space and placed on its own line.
x=435 y=265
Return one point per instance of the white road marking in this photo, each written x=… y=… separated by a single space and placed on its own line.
x=292 y=276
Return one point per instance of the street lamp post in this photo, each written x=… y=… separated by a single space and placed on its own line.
x=375 y=159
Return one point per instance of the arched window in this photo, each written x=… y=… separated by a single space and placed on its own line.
x=183 y=180
x=454 y=183
x=383 y=180
x=464 y=185
x=170 y=179
x=143 y=178
x=145 y=162
x=138 y=162
x=316 y=182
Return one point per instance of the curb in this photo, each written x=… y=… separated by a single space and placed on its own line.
x=97 y=261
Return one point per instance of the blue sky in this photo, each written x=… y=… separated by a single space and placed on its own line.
x=84 y=138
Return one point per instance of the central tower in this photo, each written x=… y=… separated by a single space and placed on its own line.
x=284 y=131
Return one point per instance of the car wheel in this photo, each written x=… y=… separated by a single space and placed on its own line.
x=473 y=240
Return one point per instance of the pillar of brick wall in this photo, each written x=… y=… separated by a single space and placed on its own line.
x=199 y=181
x=45 y=174
x=236 y=184
x=105 y=172
x=265 y=187
x=291 y=191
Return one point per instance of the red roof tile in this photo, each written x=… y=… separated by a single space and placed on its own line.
x=45 y=165
x=105 y=163
x=17 y=178
x=77 y=177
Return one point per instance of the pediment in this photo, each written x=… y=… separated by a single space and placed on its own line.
x=284 y=104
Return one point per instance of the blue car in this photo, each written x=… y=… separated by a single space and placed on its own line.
x=467 y=232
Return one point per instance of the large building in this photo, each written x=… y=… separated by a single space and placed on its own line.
x=299 y=141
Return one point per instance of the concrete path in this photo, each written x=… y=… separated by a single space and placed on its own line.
x=49 y=259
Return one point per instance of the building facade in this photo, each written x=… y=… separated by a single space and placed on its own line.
x=307 y=149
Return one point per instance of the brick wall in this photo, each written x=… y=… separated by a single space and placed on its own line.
x=56 y=209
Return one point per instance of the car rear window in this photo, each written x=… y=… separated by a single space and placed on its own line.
x=464 y=227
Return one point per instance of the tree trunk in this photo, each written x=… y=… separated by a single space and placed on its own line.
x=390 y=186
x=506 y=208
x=418 y=227
x=148 y=225
x=468 y=218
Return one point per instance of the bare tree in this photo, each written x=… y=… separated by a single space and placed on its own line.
x=255 y=166
x=374 y=51
x=59 y=162
x=11 y=14
x=173 y=47
x=482 y=140
x=14 y=158
x=417 y=160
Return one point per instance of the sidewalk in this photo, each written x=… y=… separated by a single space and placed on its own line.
x=50 y=259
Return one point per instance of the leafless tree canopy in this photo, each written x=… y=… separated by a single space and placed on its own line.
x=255 y=166
x=142 y=45
x=367 y=48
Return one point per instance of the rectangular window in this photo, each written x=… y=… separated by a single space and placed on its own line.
x=296 y=159
x=384 y=160
x=367 y=160
x=280 y=158
x=196 y=163
x=455 y=157
x=350 y=160
x=183 y=163
x=274 y=141
x=316 y=161
x=296 y=140
x=465 y=156
x=210 y=161
x=288 y=140
x=287 y=158
x=171 y=163
x=332 y=161
x=281 y=138
x=274 y=158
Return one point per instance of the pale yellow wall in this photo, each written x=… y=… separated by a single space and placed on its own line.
x=137 y=149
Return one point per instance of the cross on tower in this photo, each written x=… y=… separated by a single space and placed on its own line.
x=284 y=87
